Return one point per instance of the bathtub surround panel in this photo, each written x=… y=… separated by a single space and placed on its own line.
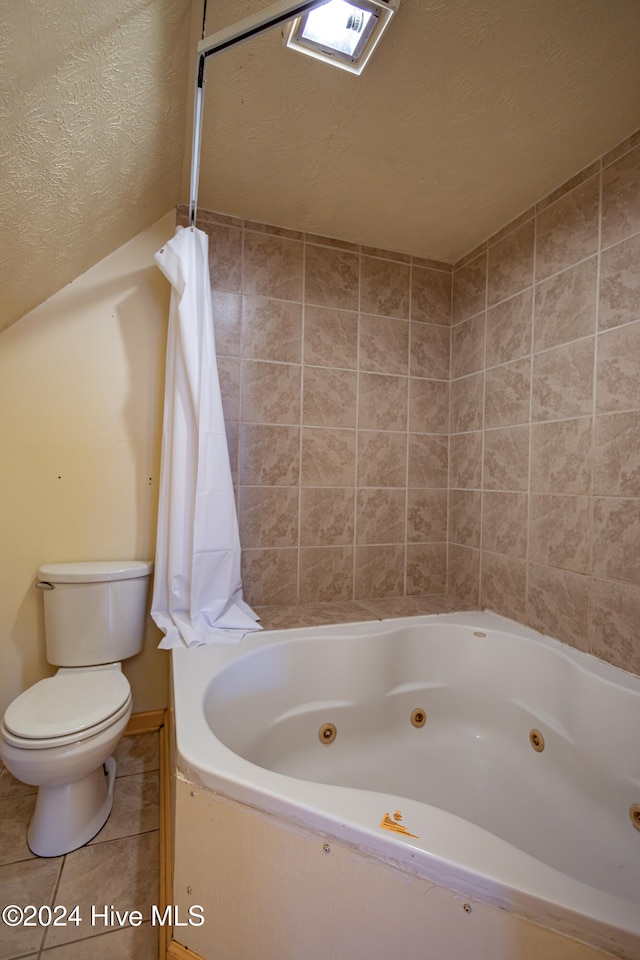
x=301 y=881
x=334 y=362
x=551 y=444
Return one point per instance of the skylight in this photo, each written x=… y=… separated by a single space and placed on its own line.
x=341 y=32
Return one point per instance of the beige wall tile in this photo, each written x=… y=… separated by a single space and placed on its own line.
x=272 y=266
x=563 y=381
x=464 y=517
x=507 y=394
x=229 y=377
x=428 y=460
x=271 y=329
x=327 y=516
x=618 y=375
x=467 y=346
x=615 y=615
x=269 y=454
x=225 y=257
x=268 y=516
x=466 y=411
x=509 y=325
x=380 y=516
x=382 y=459
x=331 y=278
x=562 y=456
x=617 y=455
x=506 y=459
x=326 y=573
x=565 y=306
x=227 y=322
x=504 y=585
x=619 y=284
x=511 y=264
x=504 y=523
x=384 y=287
x=330 y=337
x=465 y=460
x=558 y=604
x=428 y=406
x=379 y=571
x=329 y=397
x=560 y=532
x=470 y=289
x=270 y=392
x=384 y=345
x=430 y=351
x=426 y=568
x=328 y=458
x=463 y=575
x=567 y=230
x=430 y=296
x=616 y=539
x=621 y=198
x=382 y=402
x=270 y=576
x=426 y=515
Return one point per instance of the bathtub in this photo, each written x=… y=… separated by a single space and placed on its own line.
x=462 y=751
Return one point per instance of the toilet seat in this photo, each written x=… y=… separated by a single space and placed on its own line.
x=74 y=704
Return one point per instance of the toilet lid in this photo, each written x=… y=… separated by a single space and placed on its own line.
x=68 y=703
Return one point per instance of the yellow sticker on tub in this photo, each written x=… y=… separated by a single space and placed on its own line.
x=394 y=824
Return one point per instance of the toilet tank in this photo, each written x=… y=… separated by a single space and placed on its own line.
x=94 y=612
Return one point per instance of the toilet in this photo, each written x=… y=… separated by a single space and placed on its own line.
x=59 y=734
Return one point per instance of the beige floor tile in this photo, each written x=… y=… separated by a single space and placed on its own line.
x=136 y=754
x=15 y=814
x=135 y=807
x=30 y=882
x=130 y=943
x=10 y=787
x=122 y=874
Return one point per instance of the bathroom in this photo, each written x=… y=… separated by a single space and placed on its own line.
x=541 y=427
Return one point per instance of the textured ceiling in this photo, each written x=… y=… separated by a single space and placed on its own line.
x=92 y=103
x=469 y=111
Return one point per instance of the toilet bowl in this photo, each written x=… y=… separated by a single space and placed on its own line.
x=59 y=734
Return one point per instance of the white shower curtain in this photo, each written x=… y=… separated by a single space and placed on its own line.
x=197 y=595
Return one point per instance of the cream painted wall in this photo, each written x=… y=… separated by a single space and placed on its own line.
x=81 y=388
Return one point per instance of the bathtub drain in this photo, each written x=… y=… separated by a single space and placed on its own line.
x=634 y=813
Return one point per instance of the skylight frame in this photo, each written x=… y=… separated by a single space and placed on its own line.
x=382 y=11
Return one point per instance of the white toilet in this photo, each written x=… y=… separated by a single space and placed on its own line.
x=59 y=734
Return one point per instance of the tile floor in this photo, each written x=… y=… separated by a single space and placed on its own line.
x=119 y=867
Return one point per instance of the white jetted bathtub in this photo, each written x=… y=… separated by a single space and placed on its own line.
x=465 y=755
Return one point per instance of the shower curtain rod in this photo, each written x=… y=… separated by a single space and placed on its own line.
x=225 y=40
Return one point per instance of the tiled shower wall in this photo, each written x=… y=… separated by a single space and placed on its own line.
x=544 y=522
x=334 y=365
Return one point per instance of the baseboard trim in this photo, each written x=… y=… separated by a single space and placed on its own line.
x=147 y=722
